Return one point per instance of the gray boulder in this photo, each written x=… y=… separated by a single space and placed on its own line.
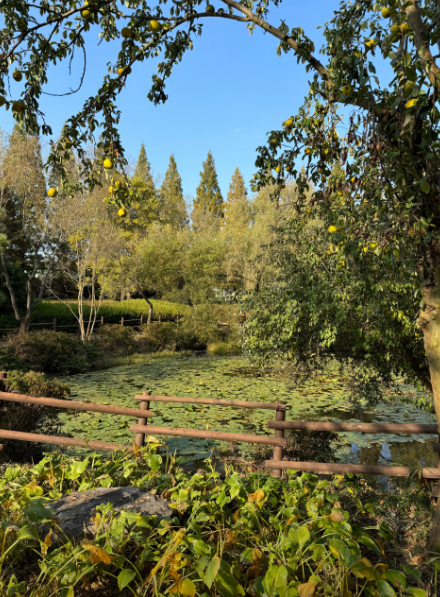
x=75 y=511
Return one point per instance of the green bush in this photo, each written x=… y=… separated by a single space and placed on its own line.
x=55 y=352
x=157 y=337
x=223 y=349
x=34 y=383
x=115 y=339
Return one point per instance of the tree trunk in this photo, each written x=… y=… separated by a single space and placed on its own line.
x=429 y=323
x=150 y=308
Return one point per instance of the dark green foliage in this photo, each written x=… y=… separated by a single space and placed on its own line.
x=159 y=336
x=55 y=352
x=115 y=339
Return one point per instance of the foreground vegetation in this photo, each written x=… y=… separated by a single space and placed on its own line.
x=251 y=535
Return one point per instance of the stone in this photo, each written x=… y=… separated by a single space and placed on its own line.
x=75 y=511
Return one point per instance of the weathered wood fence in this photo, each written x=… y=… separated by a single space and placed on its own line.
x=55 y=326
x=276 y=465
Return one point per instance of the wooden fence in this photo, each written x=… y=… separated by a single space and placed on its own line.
x=53 y=325
x=276 y=465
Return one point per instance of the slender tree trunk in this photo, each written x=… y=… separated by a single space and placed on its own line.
x=150 y=308
x=429 y=323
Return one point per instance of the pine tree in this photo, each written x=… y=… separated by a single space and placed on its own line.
x=238 y=214
x=144 y=203
x=209 y=198
x=172 y=208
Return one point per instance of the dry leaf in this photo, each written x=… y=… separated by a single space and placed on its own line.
x=97 y=555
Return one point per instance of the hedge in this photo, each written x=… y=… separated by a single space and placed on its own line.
x=112 y=311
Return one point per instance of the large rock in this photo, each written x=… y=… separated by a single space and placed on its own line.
x=75 y=512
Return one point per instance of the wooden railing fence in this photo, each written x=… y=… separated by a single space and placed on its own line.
x=276 y=465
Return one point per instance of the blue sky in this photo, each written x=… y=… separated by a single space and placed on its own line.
x=224 y=96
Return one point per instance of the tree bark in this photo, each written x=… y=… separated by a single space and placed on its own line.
x=150 y=308
x=429 y=322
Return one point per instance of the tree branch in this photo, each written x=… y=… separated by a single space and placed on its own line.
x=421 y=42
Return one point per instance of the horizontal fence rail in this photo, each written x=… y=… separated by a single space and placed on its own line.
x=403 y=428
x=62 y=441
x=72 y=405
x=219 y=435
x=329 y=468
x=213 y=402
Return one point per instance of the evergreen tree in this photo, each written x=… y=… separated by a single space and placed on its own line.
x=172 y=208
x=145 y=201
x=209 y=198
x=238 y=213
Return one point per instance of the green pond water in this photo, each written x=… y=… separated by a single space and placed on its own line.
x=198 y=376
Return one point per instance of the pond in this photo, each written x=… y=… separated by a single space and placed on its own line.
x=198 y=376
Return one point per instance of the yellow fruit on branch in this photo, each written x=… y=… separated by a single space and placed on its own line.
x=308 y=150
x=288 y=168
x=289 y=123
x=86 y=14
x=386 y=12
x=332 y=228
x=52 y=192
x=108 y=164
x=117 y=184
x=127 y=33
x=411 y=103
x=17 y=75
x=370 y=44
x=110 y=190
x=124 y=70
x=155 y=26
x=121 y=212
x=395 y=28
x=404 y=27
x=210 y=8
x=278 y=169
x=18 y=107
x=347 y=90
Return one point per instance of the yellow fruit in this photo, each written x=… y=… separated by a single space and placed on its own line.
x=278 y=169
x=17 y=75
x=370 y=43
x=332 y=229
x=121 y=212
x=86 y=14
x=411 y=103
x=395 y=28
x=404 y=27
x=155 y=26
x=52 y=192
x=210 y=8
x=307 y=150
x=127 y=33
x=309 y=211
x=117 y=184
x=335 y=136
x=22 y=24
x=107 y=164
x=289 y=122
x=386 y=12
x=347 y=90
x=110 y=190
x=365 y=249
x=409 y=85
x=288 y=168
x=18 y=107
x=373 y=245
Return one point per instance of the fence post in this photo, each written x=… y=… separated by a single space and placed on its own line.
x=141 y=320
x=160 y=318
x=3 y=376
x=54 y=324
x=144 y=405
x=122 y=322
x=102 y=320
x=278 y=450
x=177 y=321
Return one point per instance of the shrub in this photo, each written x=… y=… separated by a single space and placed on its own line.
x=27 y=417
x=34 y=383
x=157 y=337
x=224 y=348
x=54 y=352
x=116 y=339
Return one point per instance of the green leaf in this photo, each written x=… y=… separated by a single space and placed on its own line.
x=125 y=577
x=396 y=577
x=416 y=592
x=425 y=187
x=200 y=548
x=27 y=532
x=67 y=592
x=226 y=583
x=385 y=589
x=386 y=532
x=212 y=570
x=299 y=536
x=370 y=543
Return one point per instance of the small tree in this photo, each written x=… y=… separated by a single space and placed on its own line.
x=172 y=208
x=209 y=200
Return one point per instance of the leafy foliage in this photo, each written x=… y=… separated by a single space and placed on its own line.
x=270 y=536
x=33 y=383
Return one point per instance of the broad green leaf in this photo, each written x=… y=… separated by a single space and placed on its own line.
x=416 y=592
x=125 y=577
x=385 y=589
x=396 y=577
x=299 y=536
x=212 y=571
x=184 y=586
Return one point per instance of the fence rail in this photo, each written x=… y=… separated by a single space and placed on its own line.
x=403 y=428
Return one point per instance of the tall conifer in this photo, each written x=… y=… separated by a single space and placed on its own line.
x=209 y=198
x=238 y=213
x=145 y=201
x=172 y=208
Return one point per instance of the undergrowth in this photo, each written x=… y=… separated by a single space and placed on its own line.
x=253 y=535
